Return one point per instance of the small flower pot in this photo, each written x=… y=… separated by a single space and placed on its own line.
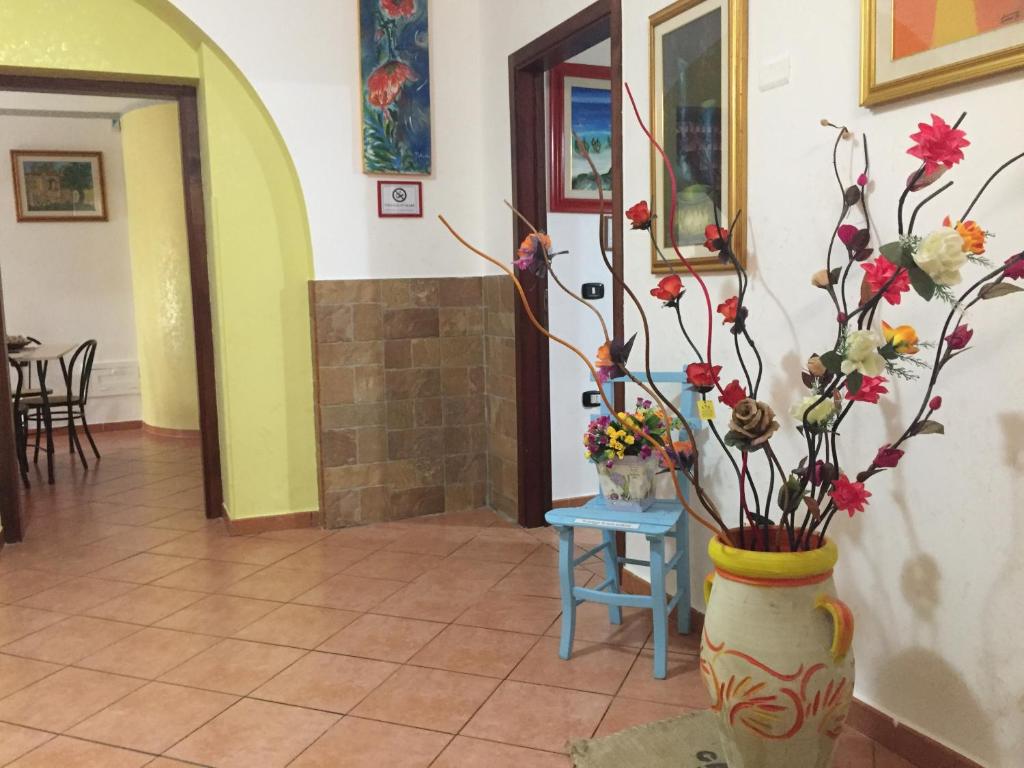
x=629 y=483
x=776 y=655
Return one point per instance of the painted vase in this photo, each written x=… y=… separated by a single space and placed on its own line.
x=776 y=655
x=629 y=482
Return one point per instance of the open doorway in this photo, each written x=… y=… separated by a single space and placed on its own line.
x=106 y=311
x=594 y=34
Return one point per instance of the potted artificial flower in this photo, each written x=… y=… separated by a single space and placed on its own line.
x=626 y=465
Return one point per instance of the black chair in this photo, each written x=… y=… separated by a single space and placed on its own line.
x=20 y=422
x=65 y=408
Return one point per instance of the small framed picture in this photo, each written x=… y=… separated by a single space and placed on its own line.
x=399 y=199
x=580 y=108
x=58 y=186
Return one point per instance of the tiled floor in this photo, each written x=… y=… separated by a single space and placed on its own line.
x=131 y=628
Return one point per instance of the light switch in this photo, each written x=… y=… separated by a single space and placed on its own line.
x=774 y=73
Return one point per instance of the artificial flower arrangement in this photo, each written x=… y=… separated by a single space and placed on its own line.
x=857 y=368
x=608 y=439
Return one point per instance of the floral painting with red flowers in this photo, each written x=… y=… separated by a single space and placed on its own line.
x=396 y=86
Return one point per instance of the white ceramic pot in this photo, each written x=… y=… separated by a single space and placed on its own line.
x=776 y=656
x=629 y=482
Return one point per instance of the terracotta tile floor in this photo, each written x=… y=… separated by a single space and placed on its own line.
x=131 y=628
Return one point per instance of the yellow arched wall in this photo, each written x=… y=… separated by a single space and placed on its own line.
x=257 y=232
x=160 y=272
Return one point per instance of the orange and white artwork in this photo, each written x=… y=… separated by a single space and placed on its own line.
x=924 y=25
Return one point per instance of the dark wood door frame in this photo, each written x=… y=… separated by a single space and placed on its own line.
x=195 y=223
x=526 y=68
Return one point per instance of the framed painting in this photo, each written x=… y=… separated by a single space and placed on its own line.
x=58 y=186
x=395 y=66
x=580 y=104
x=909 y=47
x=699 y=116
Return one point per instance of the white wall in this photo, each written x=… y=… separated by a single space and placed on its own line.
x=72 y=281
x=575 y=232
x=937 y=602
x=933 y=569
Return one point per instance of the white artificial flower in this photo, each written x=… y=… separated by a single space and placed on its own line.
x=941 y=255
x=818 y=414
x=862 y=353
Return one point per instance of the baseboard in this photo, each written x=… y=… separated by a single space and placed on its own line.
x=898 y=738
x=247 y=526
x=149 y=429
x=113 y=426
x=575 y=501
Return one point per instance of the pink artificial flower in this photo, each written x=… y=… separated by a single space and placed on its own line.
x=935 y=403
x=534 y=245
x=862 y=180
x=888 y=457
x=938 y=144
x=732 y=394
x=1015 y=270
x=849 y=497
x=846 y=233
x=879 y=272
x=870 y=390
x=960 y=337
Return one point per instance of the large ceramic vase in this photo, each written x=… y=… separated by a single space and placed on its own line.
x=776 y=656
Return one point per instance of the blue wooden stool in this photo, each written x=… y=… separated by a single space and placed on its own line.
x=664 y=518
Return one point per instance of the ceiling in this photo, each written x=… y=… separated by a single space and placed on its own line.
x=62 y=105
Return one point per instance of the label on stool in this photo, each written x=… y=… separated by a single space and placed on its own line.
x=606 y=524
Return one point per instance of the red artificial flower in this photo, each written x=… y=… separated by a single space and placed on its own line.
x=715 y=237
x=935 y=403
x=888 y=457
x=702 y=376
x=728 y=309
x=879 y=272
x=849 y=497
x=938 y=144
x=960 y=337
x=1015 y=267
x=640 y=216
x=386 y=81
x=870 y=390
x=862 y=180
x=732 y=394
x=398 y=8
x=846 y=233
x=669 y=289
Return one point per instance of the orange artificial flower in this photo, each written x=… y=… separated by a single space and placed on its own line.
x=973 y=235
x=903 y=338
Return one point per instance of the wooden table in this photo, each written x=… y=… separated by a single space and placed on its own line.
x=42 y=355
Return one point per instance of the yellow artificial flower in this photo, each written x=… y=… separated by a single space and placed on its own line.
x=586 y=454
x=630 y=439
x=971 y=233
x=609 y=430
x=902 y=338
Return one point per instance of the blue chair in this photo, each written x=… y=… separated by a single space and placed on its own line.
x=664 y=518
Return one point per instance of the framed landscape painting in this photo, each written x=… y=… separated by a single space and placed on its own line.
x=698 y=115
x=58 y=186
x=909 y=47
x=395 y=64
x=580 y=106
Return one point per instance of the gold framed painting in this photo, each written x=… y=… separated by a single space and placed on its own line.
x=698 y=66
x=910 y=47
x=55 y=185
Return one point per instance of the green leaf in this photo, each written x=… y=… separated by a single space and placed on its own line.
x=897 y=254
x=853 y=382
x=921 y=283
x=888 y=351
x=736 y=440
x=929 y=427
x=789 y=494
x=995 y=290
x=832 y=362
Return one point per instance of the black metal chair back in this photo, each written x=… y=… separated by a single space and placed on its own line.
x=82 y=357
